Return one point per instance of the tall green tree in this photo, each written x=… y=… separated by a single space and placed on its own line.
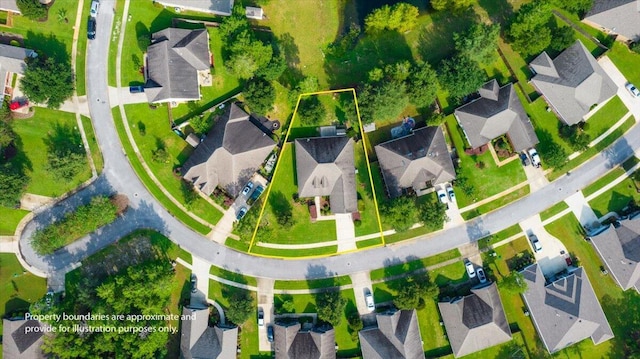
x=13 y=183
x=311 y=111
x=529 y=32
x=400 y=17
x=514 y=283
x=455 y=6
x=48 y=81
x=422 y=85
x=330 y=305
x=66 y=154
x=241 y=307
x=461 y=76
x=260 y=95
x=432 y=214
x=385 y=101
x=416 y=289
x=32 y=9
x=400 y=213
x=479 y=43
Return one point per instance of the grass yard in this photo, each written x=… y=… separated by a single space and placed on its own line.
x=407 y=267
x=626 y=61
x=113 y=46
x=616 y=198
x=453 y=274
x=19 y=287
x=369 y=221
x=151 y=130
x=233 y=276
x=96 y=155
x=520 y=67
x=151 y=186
x=606 y=117
x=495 y=204
x=603 y=181
x=499 y=236
x=32 y=151
x=11 y=217
x=294 y=253
x=553 y=210
x=487 y=181
x=312 y=284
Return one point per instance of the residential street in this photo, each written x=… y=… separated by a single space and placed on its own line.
x=146 y=212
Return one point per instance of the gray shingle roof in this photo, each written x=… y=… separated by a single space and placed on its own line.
x=173 y=60
x=220 y=7
x=565 y=311
x=18 y=344
x=572 y=83
x=619 y=248
x=230 y=154
x=9 y=5
x=621 y=15
x=396 y=337
x=476 y=321
x=325 y=166
x=198 y=340
x=498 y=111
x=414 y=160
x=12 y=58
x=293 y=343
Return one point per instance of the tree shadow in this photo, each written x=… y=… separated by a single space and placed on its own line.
x=15 y=304
x=64 y=139
x=435 y=42
x=142 y=33
x=47 y=45
x=624 y=319
x=499 y=10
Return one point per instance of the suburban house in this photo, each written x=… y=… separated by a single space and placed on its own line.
x=199 y=340
x=396 y=336
x=293 y=341
x=9 y=6
x=12 y=61
x=621 y=17
x=325 y=166
x=572 y=83
x=217 y=7
x=20 y=343
x=565 y=311
x=415 y=162
x=496 y=112
x=231 y=153
x=475 y=322
x=178 y=62
x=619 y=249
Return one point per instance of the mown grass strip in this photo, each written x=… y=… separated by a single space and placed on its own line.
x=401 y=268
x=233 y=276
x=312 y=284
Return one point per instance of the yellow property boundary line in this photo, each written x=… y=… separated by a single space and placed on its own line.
x=275 y=172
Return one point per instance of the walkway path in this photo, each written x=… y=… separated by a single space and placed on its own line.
x=201 y=268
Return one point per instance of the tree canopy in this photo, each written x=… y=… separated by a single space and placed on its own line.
x=260 y=95
x=455 y=6
x=47 y=81
x=330 y=305
x=400 y=17
x=432 y=214
x=400 y=213
x=529 y=32
x=32 y=9
x=311 y=111
x=461 y=76
x=241 y=307
x=66 y=156
x=514 y=283
x=421 y=85
x=415 y=290
x=13 y=183
x=479 y=43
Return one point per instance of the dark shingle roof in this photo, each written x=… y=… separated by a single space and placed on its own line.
x=413 y=160
x=496 y=112
x=198 y=340
x=12 y=58
x=325 y=166
x=572 y=83
x=173 y=60
x=17 y=343
x=293 y=343
x=565 y=311
x=232 y=151
x=396 y=337
x=620 y=16
x=476 y=321
x=619 y=248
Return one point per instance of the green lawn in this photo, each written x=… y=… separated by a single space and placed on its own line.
x=499 y=236
x=157 y=132
x=616 y=198
x=294 y=253
x=603 y=181
x=313 y=284
x=606 y=117
x=546 y=124
x=151 y=186
x=19 y=287
x=495 y=204
x=454 y=273
x=519 y=66
x=626 y=61
x=96 y=155
x=10 y=219
x=487 y=181
x=32 y=151
x=233 y=276
x=407 y=267
x=553 y=210
x=368 y=213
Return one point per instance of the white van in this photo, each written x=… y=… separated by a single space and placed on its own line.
x=94 y=8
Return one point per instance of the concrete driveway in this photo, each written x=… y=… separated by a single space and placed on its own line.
x=535 y=177
x=549 y=258
x=361 y=284
x=618 y=78
x=265 y=301
x=454 y=216
x=346 y=232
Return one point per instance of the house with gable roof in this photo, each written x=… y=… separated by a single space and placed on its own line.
x=397 y=336
x=621 y=17
x=295 y=341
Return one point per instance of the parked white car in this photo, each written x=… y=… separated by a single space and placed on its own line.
x=633 y=90
x=535 y=242
x=452 y=195
x=442 y=195
x=535 y=159
x=368 y=298
x=471 y=271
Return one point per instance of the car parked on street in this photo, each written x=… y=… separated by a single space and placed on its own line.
x=247 y=188
x=471 y=271
x=481 y=276
x=535 y=242
x=535 y=159
x=241 y=213
x=95 y=5
x=525 y=159
x=633 y=90
x=442 y=195
x=452 y=195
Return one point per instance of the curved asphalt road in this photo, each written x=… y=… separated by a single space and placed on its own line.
x=146 y=212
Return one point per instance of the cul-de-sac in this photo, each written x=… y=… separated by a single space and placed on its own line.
x=318 y=179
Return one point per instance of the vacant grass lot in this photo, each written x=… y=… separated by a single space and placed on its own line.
x=19 y=287
x=151 y=130
x=32 y=151
x=616 y=198
x=96 y=155
x=486 y=181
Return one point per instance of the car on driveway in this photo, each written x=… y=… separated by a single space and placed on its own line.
x=535 y=242
x=270 y=333
x=241 y=213
x=247 y=188
x=368 y=298
x=452 y=195
x=471 y=271
x=260 y=317
x=442 y=195
x=525 y=159
x=194 y=283
x=633 y=90
x=481 y=276
x=535 y=159
x=255 y=195
x=136 y=89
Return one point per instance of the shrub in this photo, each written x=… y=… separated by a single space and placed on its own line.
x=32 y=9
x=635 y=47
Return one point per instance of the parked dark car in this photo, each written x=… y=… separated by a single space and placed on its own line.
x=525 y=159
x=255 y=194
x=194 y=283
x=91 y=28
x=270 y=333
x=136 y=89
